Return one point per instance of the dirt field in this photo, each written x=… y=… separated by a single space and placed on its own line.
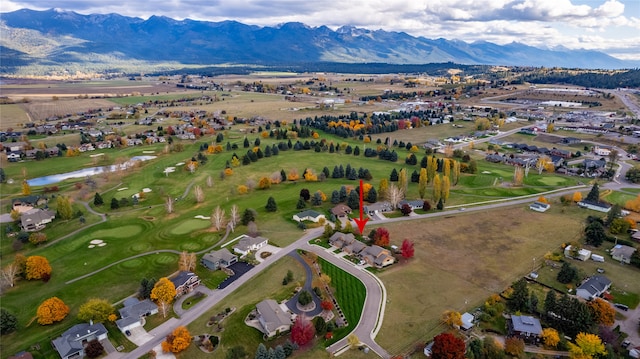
x=460 y=261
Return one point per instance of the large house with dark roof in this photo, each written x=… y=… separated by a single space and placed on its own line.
x=36 y=219
x=72 y=342
x=133 y=313
x=218 y=259
x=524 y=326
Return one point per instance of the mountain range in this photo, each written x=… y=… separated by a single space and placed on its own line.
x=55 y=37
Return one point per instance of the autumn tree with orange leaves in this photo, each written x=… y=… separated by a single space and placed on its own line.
x=602 y=311
x=37 y=267
x=52 y=310
x=177 y=341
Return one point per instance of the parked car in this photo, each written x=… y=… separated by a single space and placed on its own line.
x=127 y=332
x=621 y=306
x=626 y=343
x=600 y=270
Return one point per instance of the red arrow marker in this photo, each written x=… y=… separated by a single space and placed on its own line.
x=362 y=221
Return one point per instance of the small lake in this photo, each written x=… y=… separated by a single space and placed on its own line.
x=86 y=172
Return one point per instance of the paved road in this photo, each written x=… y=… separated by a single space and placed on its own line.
x=629 y=325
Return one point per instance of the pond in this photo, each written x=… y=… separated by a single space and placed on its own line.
x=86 y=172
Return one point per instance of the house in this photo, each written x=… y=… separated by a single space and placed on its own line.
x=414 y=204
x=378 y=207
x=341 y=210
x=26 y=203
x=355 y=247
x=341 y=240
x=571 y=140
x=524 y=326
x=377 y=256
x=467 y=321
x=636 y=236
x=601 y=151
x=71 y=343
x=539 y=206
x=593 y=287
x=582 y=254
x=309 y=215
x=185 y=282
x=133 y=313
x=592 y=165
x=52 y=151
x=596 y=206
x=622 y=253
x=273 y=319
x=560 y=153
x=36 y=219
x=218 y=259
x=247 y=244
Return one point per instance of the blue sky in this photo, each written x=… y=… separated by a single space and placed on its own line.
x=611 y=26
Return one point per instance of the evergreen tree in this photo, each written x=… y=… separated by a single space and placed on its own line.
x=336 y=172
x=246 y=143
x=440 y=205
x=567 y=273
x=354 y=200
x=271 y=205
x=114 y=203
x=372 y=196
x=356 y=151
x=316 y=199
x=335 y=197
x=594 y=194
x=283 y=175
x=520 y=298
x=343 y=193
x=550 y=302
x=325 y=170
x=97 y=199
x=394 y=176
x=249 y=215
x=280 y=353
x=594 y=233
x=301 y=203
x=262 y=352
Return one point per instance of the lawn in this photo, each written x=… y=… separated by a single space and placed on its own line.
x=462 y=260
x=350 y=294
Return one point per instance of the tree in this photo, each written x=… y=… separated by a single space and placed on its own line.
x=452 y=318
x=301 y=203
x=36 y=267
x=52 y=310
x=8 y=321
x=26 y=189
x=97 y=200
x=320 y=325
x=407 y=249
x=601 y=311
x=383 y=187
x=163 y=292
x=234 y=216
x=353 y=200
x=406 y=209
x=305 y=194
x=187 y=261
x=265 y=182
x=64 y=208
x=326 y=305
x=437 y=188
x=594 y=194
x=271 y=205
x=381 y=237
x=394 y=195
x=447 y=346
x=353 y=341
x=96 y=309
x=594 y=233
x=567 y=273
x=305 y=297
x=262 y=352
x=403 y=180
x=9 y=273
x=550 y=337
x=168 y=204
x=302 y=331
x=577 y=197
x=37 y=238
x=520 y=297
x=587 y=346
x=93 y=349
x=633 y=174
x=177 y=341
x=146 y=286
x=249 y=215
x=422 y=182
x=198 y=194
x=514 y=346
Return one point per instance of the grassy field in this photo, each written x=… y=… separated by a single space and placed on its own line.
x=349 y=292
x=13 y=116
x=461 y=260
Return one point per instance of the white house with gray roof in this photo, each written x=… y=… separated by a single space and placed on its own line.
x=525 y=326
x=133 y=313
x=593 y=287
x=36 y=219
x=247 y=244
x=273 y=319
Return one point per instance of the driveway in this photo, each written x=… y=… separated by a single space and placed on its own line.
x=139 y=335
x=630 y=325
x=268 y=248
x=238 y=269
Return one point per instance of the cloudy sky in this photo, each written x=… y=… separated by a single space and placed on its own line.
x=611 y=26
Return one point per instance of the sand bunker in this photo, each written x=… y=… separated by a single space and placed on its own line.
x=96 y=243
x=202 y=217
x=179 y=163
x=146 y=190
x=122 y=189
x=91 y=246
x=148 y=151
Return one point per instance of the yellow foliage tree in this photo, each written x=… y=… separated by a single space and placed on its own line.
x=96 y=309
x=242 y=189
x=51 y=310
x=228 y=171
x=543 y=199
x=452 y=318
x=293 y=175
x=422 y=182
x=177 y=341
x=309 y=176
x=577 y=197
x=383 y=188
x=36 y=267
x=26 y=189
x=163 y=291
x=586 y=347
x=633 y=204
x=550 y=337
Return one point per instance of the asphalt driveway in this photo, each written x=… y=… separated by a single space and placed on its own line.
x=238 y=269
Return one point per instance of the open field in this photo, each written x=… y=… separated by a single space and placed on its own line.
x=40 y=110
x=461 y=260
